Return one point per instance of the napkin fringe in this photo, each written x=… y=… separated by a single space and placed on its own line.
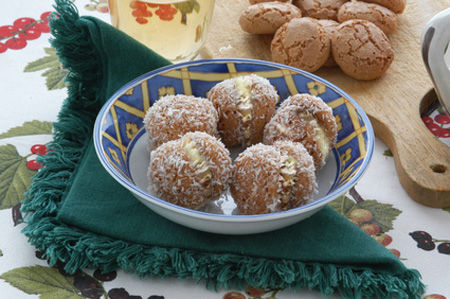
x=79 y=249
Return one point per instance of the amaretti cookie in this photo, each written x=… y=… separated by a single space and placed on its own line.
x=260 y=1
x=384 y=18
x=245 y=104
x=320 y=9
x=267 y=17
x=330 y=26
x=361 y=49
x=303 y=43
x=190 y=171
x=397 y=6
x=269 y=179
x=174 y=115
x=307 y=119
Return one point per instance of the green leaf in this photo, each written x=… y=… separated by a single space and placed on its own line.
x=55 y=79
x=1 y=252
x=34 y=127
x=388 y=153
x=42 y=63
x=50 y=51
x=15 y=177
x=383 y=214
x=446 y=209
x=196 y=6
x=343 y=205
x=46 y=281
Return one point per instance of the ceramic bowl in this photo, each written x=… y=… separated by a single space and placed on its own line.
x=121 y=145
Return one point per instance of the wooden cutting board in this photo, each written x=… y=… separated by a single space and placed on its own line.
x=392 y=102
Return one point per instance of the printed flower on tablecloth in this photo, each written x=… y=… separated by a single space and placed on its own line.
x=166 y=90
x=373 y=217
x=15 y=36
x=315 y=88
x=98 y=5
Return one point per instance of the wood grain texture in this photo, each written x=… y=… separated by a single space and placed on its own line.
x=391 y=102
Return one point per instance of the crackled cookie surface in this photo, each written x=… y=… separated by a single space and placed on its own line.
x=330 y=26
x=303 y=43
x=397 y=6
x=245 y=104
x=384 y=18
x=320 y=9
x=190 y=171
x=269 y=179
x=259 y=1
x=361 y=49
x=267 y=17
x=174 y=115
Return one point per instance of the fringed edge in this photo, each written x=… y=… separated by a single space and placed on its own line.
x=79 y=249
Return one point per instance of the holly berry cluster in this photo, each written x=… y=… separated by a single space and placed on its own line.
x=141 y=11
x=437 y=126
x=37 y=149
x=426 y=242
x=365 y=220
x=100 y=6
x=15 y=36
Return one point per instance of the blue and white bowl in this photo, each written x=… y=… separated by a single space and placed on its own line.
x=120 y=139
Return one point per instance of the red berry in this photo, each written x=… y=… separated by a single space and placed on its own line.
x=39 y=149
x=33 y=165
x=138 y=13
x=361 y=215
x=234 y=295
x=45 y=16
x=383 y=239
x=434 y=128
x=427 y=120
x=7 y=31
x=102 y=7
x=443 y=133
x=141 y=20
x=254 y=292
x=30 y=34
x=371 y=228
x=443 y=119
x=395 y=252
x=23 y=22
x=434 y=296
x=137 y=5
x=16 y=43
x=3 y=48
x=43 y=27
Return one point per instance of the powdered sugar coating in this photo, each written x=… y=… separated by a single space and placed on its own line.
x=225 y=97
x=174 y=177
x=174 y=115
x=256 y=179
x=291 y=122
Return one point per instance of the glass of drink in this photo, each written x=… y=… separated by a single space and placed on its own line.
x=175 y=29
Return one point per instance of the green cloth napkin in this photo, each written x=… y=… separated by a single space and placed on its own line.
x=77 y=214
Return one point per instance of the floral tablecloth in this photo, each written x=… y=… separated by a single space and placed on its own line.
x=32 y=85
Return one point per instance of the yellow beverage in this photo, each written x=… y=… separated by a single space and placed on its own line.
x=174 y=29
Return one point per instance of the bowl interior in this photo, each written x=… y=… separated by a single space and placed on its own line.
x=119 y=128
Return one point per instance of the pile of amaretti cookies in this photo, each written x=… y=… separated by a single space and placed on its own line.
x=309 y=34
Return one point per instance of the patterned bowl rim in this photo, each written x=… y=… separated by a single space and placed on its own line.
x=220 y=217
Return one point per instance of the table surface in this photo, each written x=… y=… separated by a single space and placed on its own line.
x=33 y=91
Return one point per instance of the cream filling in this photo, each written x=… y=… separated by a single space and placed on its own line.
x=245 y=107
x=319 y=132
x=287 y=172
x=201 y=166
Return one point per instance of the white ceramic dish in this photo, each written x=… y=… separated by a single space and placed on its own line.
x=120 y=140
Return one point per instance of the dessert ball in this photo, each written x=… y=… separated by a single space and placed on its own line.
x=307 y=119
x=190 y=171
x=272 y=178
x=330 y=26
x=397 y=6
x=320 y=9
x=259 y=1
x=361 y=49
x=245 y=104
x=174 y=115
x=384 y=18
x=303 y=43
x=267 y=17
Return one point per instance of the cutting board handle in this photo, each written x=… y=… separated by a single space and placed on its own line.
x=422 y=160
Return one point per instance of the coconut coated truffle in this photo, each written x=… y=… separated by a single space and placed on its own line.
x=307 y=119
x=272 y=178
x=174 y=115
x=245 y=104
x=190 y=171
